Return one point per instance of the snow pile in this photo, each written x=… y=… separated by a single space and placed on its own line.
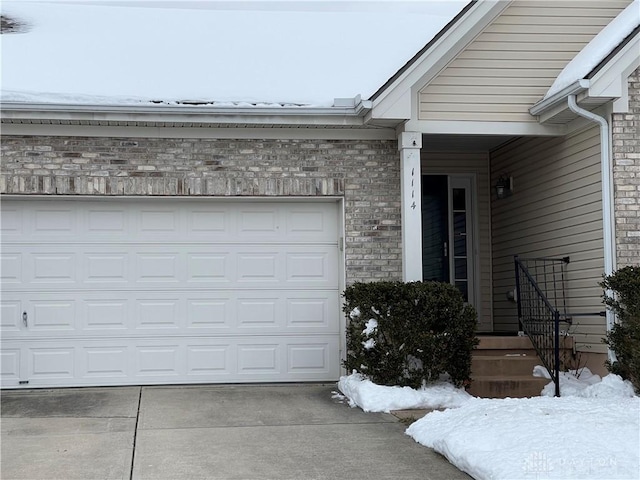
x=596 y=50
x=592 y=432
x=583 y=383
x=377 y=398
x=540 y=437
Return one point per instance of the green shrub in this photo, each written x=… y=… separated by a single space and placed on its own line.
x=409 y=333
x=624 y=337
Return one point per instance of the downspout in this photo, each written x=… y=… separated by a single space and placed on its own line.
x=607 y=200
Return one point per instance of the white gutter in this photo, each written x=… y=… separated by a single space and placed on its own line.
x=547 y=102
x=344 y=112
x=607 y=199
x=179 y=109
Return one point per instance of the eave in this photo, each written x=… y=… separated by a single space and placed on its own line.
x=182 y=115
x=607 y=83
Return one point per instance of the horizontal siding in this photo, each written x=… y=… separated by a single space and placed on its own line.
x=513 y=62
x=555 y=211
x=477 y=164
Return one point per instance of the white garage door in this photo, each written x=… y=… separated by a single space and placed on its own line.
x=116 y=292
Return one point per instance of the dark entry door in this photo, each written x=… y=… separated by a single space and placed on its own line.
x=435 y=228
x=447 y=231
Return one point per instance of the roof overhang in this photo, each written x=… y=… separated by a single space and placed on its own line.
x=343 y=115
x=609 y=84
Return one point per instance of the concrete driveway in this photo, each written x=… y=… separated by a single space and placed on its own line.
x=216 y=432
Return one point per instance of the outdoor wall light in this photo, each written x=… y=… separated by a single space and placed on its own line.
x=504 y=187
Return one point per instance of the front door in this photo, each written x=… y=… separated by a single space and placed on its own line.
x=448 y=243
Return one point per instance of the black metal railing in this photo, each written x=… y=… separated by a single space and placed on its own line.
x=540 y=293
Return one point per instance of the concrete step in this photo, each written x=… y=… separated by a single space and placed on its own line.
x=507 y=386
x=514 y=343
x=489 y=342
x=505 y=351
x=503 y=365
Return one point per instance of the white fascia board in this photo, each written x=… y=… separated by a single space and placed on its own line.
x=484 y=128
x=612 y=80
x=195 y=132
x=352 y=116
x=424 y=69
x=399 y=109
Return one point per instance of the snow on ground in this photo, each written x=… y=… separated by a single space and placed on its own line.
x=596 y=50
x=592 y=432
x=291 y=52
x=377 y=398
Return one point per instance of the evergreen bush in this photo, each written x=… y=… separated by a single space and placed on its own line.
x=624 y=337
x=409 y=334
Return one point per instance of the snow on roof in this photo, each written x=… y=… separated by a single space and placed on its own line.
x=596 y=50
x=260 y=52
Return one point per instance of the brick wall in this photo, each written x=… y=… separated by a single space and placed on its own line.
x=626 y=177
x=365 y=173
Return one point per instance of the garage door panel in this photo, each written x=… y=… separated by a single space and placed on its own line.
x=52 y=313
x=209 y=222
x=210 y=266
x=152 y=313
x=160 y=360
x=136 y=314
x=51 y=362
x=106 y=266
x=310 y=223
x=11 y=221
x=101 y=314
x=60 y=220
x=215 y=266
x=307 y=312
x=210 y=314
x=157 y=266
x=10 y=267
x=53 y=267
x=159 y=312
x=258 y=220
x=258 y=266
x=211 y=360
x=100 y=362
x=171 y=360
x=157 y=220
x=259 y=359
x=10 y=366
x=10 y=315
x=308 y=267
x=148 y=292
x=259 y=312
x=308 y=358
x=104 y=219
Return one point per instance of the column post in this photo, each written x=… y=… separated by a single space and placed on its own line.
x=409 y=144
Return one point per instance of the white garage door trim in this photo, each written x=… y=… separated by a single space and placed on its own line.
x=124 y=291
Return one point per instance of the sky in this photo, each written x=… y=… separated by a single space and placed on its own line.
x=291 y=52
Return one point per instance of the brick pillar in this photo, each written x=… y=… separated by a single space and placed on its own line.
x=626 y=177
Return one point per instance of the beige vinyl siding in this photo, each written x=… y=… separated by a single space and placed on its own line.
x=555 y=211
x=514 y=61
x=476 y=164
